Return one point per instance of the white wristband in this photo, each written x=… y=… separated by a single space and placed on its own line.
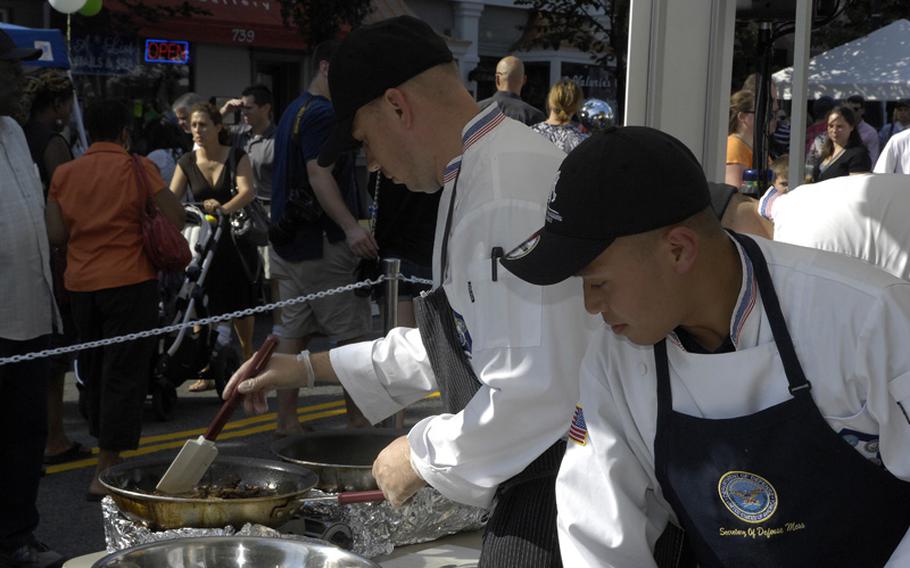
x=304 y=357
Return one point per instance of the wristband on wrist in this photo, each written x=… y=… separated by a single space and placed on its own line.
x=304 y=357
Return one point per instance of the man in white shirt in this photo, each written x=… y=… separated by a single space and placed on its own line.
x=505 y=354
x=751 y=391
x=28 y=315
x=895 y=158
x=863 y=216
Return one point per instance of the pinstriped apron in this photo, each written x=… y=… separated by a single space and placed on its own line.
x=521 y=532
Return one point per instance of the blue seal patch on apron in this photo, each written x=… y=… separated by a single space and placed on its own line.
x=749 y=497
x=464 y=336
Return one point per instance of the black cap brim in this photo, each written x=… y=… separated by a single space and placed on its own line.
x=547 y=258
x=21 y=54
x=339 y=141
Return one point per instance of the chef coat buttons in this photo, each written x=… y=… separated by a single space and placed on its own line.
x=643 y=369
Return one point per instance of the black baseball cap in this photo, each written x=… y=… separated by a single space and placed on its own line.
x=9 y=51
x=370 y=60
x=622 y=181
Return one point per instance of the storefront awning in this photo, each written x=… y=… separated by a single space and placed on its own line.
x=242 y=23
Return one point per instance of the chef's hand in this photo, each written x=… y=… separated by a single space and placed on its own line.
x=394 y=473
x=283 y=371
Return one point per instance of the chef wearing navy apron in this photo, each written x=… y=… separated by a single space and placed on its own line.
x=753 y=393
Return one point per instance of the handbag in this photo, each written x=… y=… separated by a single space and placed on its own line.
x=250 y=224
x=163 y=243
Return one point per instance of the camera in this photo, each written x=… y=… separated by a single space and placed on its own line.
x=301 y=208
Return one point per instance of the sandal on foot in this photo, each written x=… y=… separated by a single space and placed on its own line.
x=202 y=385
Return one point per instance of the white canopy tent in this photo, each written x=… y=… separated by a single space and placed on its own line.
x=876 y=66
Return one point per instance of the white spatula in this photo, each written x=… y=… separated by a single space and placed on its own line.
x=197 y=455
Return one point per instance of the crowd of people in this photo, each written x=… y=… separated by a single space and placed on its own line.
x=577 y=434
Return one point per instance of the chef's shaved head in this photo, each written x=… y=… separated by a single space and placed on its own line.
x=510 y=74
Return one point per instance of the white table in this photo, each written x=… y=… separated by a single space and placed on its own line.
x=456 y=551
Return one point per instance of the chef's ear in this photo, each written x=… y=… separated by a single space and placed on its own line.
x=400 y=103
x=682 y=246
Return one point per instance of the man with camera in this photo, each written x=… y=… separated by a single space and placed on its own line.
x=316 y=241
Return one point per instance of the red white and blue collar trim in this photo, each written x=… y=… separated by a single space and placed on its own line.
x=485 y=122
x=766 y=203
x=747 y=298
x=745 y=305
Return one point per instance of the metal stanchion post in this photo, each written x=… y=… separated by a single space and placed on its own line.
x=391 y=268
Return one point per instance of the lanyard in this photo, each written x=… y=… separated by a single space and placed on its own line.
x=444 y=252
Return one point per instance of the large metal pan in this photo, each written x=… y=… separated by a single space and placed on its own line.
x=235 y=552
x=132 y=486
x=343 y=459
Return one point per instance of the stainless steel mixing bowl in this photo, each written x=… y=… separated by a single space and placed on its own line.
x=235 y=552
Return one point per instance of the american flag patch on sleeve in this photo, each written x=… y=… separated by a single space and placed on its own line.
x=578 y=431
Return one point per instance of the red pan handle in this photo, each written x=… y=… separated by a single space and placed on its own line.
x=260 y=359
x=349 y=497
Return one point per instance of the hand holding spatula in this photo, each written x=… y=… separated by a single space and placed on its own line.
x=197 y=455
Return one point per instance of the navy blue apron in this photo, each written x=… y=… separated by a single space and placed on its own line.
x=777 y=488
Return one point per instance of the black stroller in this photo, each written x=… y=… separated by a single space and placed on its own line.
x=192 y=352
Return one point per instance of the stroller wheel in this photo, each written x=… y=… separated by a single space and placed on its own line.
x=163 y=401
x=225 y=363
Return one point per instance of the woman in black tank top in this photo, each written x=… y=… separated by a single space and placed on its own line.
x=210 y=172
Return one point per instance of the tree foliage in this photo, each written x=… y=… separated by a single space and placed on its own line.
x=320 y=20
x=597 y=27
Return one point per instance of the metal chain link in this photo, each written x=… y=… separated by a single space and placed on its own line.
x=205 y=321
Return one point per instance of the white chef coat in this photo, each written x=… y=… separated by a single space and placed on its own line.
x=895 y=157
x=864 y=216
x=850 y=325
x=525 y=342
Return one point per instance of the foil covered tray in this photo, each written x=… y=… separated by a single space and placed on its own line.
x=375 y=528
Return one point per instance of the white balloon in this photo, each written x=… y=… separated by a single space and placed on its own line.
x=67 y=6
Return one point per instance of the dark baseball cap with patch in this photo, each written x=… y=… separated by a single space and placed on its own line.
x=9 y=51
x=622 y=181
x=370 y=60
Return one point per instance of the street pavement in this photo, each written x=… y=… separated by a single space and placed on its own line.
x=73 y=526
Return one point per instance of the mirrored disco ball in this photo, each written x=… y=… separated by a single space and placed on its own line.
x=596 y=114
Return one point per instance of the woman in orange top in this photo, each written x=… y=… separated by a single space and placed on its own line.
x=94 y=207
x=739 y=140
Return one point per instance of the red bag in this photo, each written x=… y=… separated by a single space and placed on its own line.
x=163 y=243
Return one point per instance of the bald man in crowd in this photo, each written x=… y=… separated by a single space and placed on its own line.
x=510 y=78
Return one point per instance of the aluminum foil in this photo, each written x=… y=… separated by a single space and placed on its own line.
x=378 y=527
x=120 y=532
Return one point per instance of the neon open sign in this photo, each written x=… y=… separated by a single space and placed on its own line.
x=167 y=51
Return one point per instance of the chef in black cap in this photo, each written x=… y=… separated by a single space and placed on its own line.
x=503 y=353
x=753 y=392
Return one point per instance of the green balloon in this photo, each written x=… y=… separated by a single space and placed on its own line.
x=91 y=8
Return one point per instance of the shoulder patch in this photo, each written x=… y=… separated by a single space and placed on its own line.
x=578 y=430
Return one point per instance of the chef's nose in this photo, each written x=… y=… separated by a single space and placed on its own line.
x=594 y=302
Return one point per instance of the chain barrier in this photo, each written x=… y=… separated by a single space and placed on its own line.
x=201 y=322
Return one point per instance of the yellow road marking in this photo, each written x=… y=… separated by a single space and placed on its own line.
x=234 y=429
x=270 y=416
x=235 y=433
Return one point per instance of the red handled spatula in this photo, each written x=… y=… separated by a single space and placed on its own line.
x=197 y=455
